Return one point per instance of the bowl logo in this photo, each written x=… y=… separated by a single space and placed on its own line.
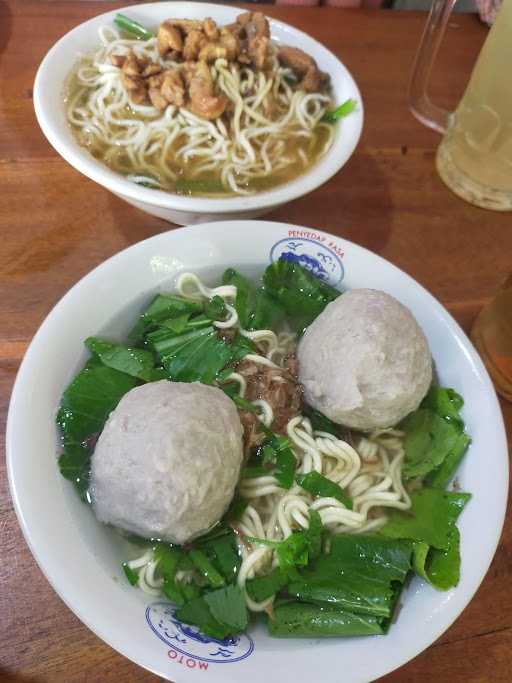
x=161 y=618
x=312 y=255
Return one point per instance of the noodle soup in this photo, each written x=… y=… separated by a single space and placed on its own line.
x=323 y=521
x=272 y=125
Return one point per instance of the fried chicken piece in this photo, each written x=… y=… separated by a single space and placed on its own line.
x=256 y=36
x=169 y=38
x=132 y=79
x=118 y=60
x=173 y=87
x=193 y=44
x=131 y=65
x=256 y=25
x=231 y=42
x=210 y=29
x=203 y=101
x=258 y=51
x=152 y=69
x=312 y=79
x=136 y=88
x=212 y=51
x=236 y=29
x=188 y=25
x=157 y=99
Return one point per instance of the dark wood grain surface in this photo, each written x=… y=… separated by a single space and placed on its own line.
x=56 y=225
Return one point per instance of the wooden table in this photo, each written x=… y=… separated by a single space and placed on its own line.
x=56 y=225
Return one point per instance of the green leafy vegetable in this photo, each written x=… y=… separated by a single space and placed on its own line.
x=318 y=485
x=389 y=560
x=314 y=534
x=428 y=440
x=180 y=324
x=435 y=442
x=257 y=309
x=263 y=587
x=273 y=457
x=301 y=547
x=276 y=451
x=334 y=115
x=197 y=612
x=302 y=295
x=219 y=613
x=293 y=552
x=362 y=574
x=350 y=592
x=74 y=465
x=168 y=558
x=131 y=574
x=431 y=518
x=163 y=307
x=446 y=403
x=243 y=403
x=236 y=509
x=320 y=423
x=127 y=25
x=215 y=308
x=442 y=475
x=441 y=568
x=199 y=356
x=166 y=338
x=193 y=186
x=227 y=605
x=89 y=399
x=222 y=552
x=244 y=292
x=206 y=568
x=297 y=619
x=135 y=362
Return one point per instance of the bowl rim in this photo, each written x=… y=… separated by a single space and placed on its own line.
x=443 y=319
x=319 y=173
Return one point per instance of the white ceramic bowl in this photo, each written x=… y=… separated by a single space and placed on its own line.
x=75 y=551
x=55 y=67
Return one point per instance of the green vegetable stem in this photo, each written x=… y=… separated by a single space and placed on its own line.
x=334 y=115
x=127 y=25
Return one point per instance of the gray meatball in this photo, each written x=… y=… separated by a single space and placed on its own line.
x=365 y=362
x=167 y=461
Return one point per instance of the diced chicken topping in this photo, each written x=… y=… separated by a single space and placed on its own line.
x=203 y=101
x=305 y=67
x=131 y=75
x=193 y=44
x=210 y=29
x=169 y=38
x=173 y=87
x=186 y=47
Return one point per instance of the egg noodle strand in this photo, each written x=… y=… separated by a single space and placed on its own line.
x=370 y=471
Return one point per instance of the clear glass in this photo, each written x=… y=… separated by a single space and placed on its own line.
x=475 y=156
x=492 y=336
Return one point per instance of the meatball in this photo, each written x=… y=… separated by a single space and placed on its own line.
x=365 y=362
x=167 y=461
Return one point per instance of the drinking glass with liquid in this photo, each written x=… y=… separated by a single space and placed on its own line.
x=475 y=156
x=492 y=336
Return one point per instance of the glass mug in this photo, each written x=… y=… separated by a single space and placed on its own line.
x=475 y=156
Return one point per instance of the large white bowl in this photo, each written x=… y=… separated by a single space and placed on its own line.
x=48 y=102
x=81 y=558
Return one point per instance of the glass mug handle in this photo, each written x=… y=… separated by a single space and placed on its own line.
x=419 y=102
